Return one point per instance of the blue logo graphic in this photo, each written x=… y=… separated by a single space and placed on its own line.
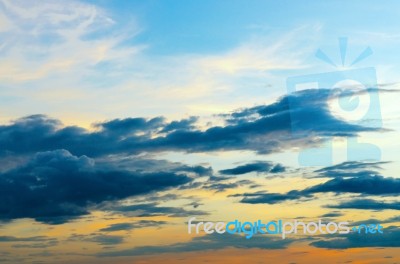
x=356 y=96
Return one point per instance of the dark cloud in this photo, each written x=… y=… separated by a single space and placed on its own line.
x=333 y=214
x=259 y=167
x=51 y=243
x=377 y=185
x=264 y=129
x=106 y=240
x=366 y=204
x=55 y=187
x=389 y=238
x=118 y=227
x=100 y=239
x=393 y=219
x=219 y=178
x=25 y=239
x=133 y=225
x=153 y=209
x=220 y=187
x=30 y=242
x=271 y=198
x=220 y=184
x=129 y=126
x=352 y=165
x=147 y=164
x=184 y=124
x=351 y=169
x=366 y=185
x=347 y=174
x=203 y=243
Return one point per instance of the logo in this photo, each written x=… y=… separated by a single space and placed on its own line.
x=280 y=227
x=355 y=97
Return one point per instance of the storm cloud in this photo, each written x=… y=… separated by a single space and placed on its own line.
x=56 y=186
x=264 y=129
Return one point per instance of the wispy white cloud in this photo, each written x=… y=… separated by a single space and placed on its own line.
x=69 y=58
x=55 y=36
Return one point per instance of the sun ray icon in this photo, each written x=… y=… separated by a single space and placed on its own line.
x=343 y=52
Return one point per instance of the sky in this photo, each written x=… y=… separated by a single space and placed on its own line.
x=120 y=120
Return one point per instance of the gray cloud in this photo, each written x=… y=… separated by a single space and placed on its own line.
x=133 y=225
x=264 y=129
x=203 y=243
x=55 y=187
x=389 y=238
x=259 y=167
x=366 y=204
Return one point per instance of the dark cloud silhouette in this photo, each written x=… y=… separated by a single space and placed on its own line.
x=351 y=169
x=366 y=185
x=133 y=225
x=393 y=219
x=98 y=238
x=389 y=238
x=202 y=243
x=59 y=173
x=153 y=209
x=264 y=129
x=338 y=174
x=56 y=186
x=25 y=239
x=147 y=164
x=271 y=198
x=184 y=124
x=259 y=167
x=352 y=165
x=377 y=185
x=366 y=204
x=30 y=242
x=220 y=186
x=106 y=239
x=333 y=214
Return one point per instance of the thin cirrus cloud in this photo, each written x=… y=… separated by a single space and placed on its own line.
x=59 y=42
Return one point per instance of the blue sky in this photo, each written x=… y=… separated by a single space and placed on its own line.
x=214 y=26
x=240 y=50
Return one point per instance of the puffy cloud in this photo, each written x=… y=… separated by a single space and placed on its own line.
x=56 y=186
x=264 y=129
